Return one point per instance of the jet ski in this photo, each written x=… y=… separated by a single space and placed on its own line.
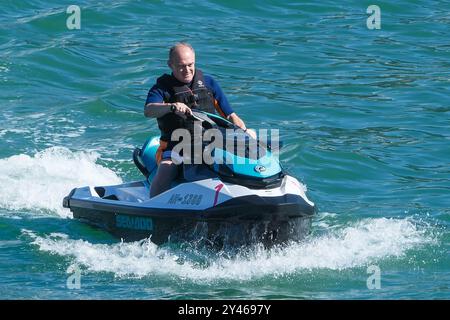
x=236 y=199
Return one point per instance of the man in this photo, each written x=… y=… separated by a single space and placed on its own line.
x=172 y=98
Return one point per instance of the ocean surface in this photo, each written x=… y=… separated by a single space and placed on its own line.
x=364 y=115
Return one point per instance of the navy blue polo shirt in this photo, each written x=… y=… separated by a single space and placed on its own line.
x=156 y=95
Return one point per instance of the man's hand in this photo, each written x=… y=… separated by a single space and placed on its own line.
x=238 y=122
x=251 y=133
x=181 y=109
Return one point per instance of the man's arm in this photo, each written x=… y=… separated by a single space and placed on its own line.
x=156 y=110
x=155 y=107
x=237 y=121
x=225 y=107
x=240 y=123
x=159 y=109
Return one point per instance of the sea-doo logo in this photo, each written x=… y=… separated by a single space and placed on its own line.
x=200 y=83
x=137 y=223
x=260 y=169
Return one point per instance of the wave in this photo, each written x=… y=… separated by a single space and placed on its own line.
x=358 y=244
x=40 y=182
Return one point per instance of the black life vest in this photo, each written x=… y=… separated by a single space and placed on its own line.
x=196 y=95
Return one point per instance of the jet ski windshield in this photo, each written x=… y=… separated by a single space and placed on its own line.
x=234 y=155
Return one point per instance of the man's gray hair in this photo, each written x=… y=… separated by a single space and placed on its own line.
x=176 y=46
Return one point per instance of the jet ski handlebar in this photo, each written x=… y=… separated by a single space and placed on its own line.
x=195 y=115
x=213 y=119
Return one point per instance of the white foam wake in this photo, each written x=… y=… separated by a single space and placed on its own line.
x=360 y=244
x=40 y=182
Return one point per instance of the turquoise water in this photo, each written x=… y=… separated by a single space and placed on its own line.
x=364 y=116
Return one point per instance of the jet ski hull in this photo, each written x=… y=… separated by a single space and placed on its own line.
x=242 y=220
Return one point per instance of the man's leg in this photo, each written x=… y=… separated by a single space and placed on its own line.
x=167 y=172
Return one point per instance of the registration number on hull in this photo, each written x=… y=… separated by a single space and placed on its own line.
x=187 y=199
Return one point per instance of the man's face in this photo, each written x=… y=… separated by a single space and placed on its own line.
x=183 y=64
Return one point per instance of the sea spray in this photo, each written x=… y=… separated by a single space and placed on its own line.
x=40 y=182
x=355 y=245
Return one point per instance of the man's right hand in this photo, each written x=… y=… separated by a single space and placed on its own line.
x=181 y=109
